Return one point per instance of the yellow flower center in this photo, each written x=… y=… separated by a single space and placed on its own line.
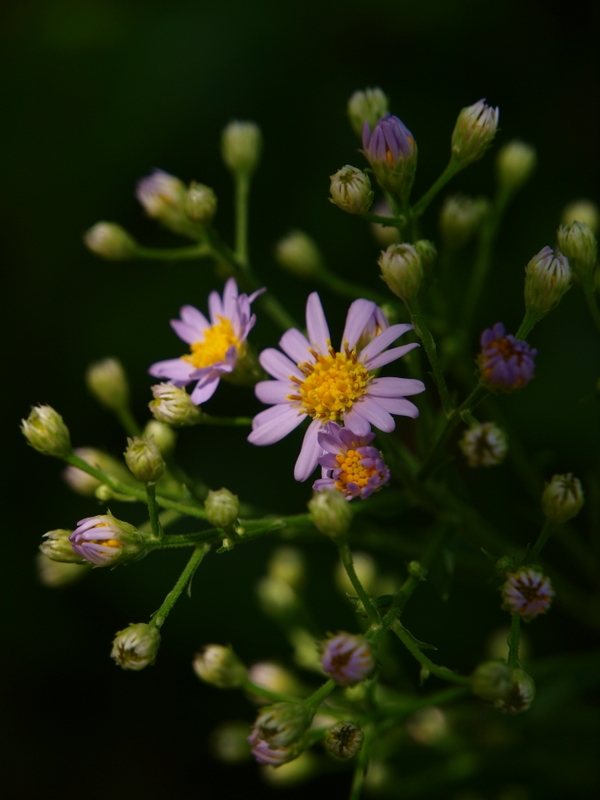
x=353 y=470
x=214 y=346
x=331 y=386
x=105 y=542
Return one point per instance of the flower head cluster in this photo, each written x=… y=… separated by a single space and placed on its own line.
x=314 y=380
x=391 y=151
x=347 y=659
x=349 y=463
x=105 y=540
x=216 y=346
x=505 y=363
x=527 y=593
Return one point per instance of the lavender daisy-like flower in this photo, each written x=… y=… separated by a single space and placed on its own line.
x=314 y=380
x=349 y=464
x=347 y=659
x=216 y=346
x=506 y=363
x=527 y=593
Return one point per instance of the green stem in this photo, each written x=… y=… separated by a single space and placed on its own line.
x=240 y=422
x=261 y=691
x=450 y=171
x=413 y=704
x=346 y=558
x=159 y=617
x=174 y=253
x=128 y=422
x=242 y=192
x=530 y=320
x=513 y=642
x=388 y=222
x=153 y=511
x=421 y=329
x=590 y=297
x=315 y=700
x=362 y=762
x=535 y=551
x=441 y=672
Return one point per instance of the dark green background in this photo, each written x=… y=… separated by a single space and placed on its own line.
x=95 y=94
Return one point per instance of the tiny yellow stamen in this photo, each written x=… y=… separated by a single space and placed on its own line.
x=332 y=385
x=214 y=346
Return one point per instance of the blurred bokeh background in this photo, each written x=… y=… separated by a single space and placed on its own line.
x=95 y=94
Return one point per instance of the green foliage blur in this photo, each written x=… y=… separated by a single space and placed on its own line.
x=97 y=93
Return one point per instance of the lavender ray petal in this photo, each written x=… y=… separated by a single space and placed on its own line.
x=175 y=369
x=310 y=452
x=357 y=424
x=359 y=314
x=204 y=391
x=373 y=411
x=395 y=387
x=296 y=346
x=390 y=355
x=316 y=324
x=398 y=405
x=272 y=392
x=274 y=424
x=215 y=307
x=384 y=339
x=278 y=365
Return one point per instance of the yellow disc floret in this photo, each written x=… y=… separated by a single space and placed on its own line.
x=332 y=384
x=214 y=346
x=353 y=470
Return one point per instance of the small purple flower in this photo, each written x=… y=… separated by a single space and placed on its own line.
x=216 y=346
x=349 y=463
x=389 y=142
x=347 y=659
x=505 y=363
x=527 y=593
x=312 y=379
x=105 y=540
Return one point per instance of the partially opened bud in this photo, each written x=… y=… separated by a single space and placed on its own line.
x=547 y=278
x=144 y=459
x=282 y=724
x=402 y=270
x=330 y=513
x=109 y=240
x=136 y=646
x=163 y=197
x=222 y=508
x=344 y=740
x=521 y=695
x=57 y=546
x=105 y=541
x=578 y=243
x=527 y=593
x=351 y=190
x=347 y=659
x=474 y=132
x=200 y=203
x=391 y=151
x=173 y=405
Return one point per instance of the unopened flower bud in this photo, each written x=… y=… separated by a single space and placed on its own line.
x=368 y=106
x=136 y=647
x=460 y=219
x=582 y=211
x=492 y=680
x=505 y=363
x=56 y=545
x=578 y=242
x=222 y=508
x=474 y=132
x=106 y=541
x=428 y=254
x=402 y=270
x=173 y=405
x=163 y=436
x=163 y=197
x=547 y=278
x=391 y=151
x=344 y=740
x=219 y=666
x=46 y=432
x=287 y=565
x=347 y=659
x=200 y=203
x=351 y=191
x=56 y=574
x=299 y=254
x=241 y=145
x=562 y=498
x=330 y=513
x=144 y=459
x=229 y=742
x=484 y=445
x=107 y=382
x=527 y=593
x=282 y=724
x=109 y=240
x=520 y=696
x=515 y=163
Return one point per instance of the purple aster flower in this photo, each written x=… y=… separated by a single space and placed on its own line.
x=392 y=153
x=347 y=659
x=349 y=463
x=506 y=363
x=105 y=540
x=527 y=593
x=314 y=380
x=216 y=346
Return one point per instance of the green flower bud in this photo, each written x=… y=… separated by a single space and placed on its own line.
x=428 y=253
x=277 y=598
x=492 y=681
x=330 y=513
x=200 y=203
x=562 y=499
x=282 y=724
x=368 y=106
x=547 y=278
x=460 y=218
x=299 y=254
x=220 y=667
x=344 y=740
x=515 y=163
x=287 y=565
x=578 y=243
x=241 y=145
x=484 y=445
x=144 y=459
x=520 y=696
x=109 y=240
x=173 y=406
x=474 y=132
x=402 y=270
x=107 y=382
x=582 y=211
x=46 y=432
x=163 y=436
x=222 y=508
x=57 y=547
x=56 y=574
x=136 y=646
x=351 y=190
